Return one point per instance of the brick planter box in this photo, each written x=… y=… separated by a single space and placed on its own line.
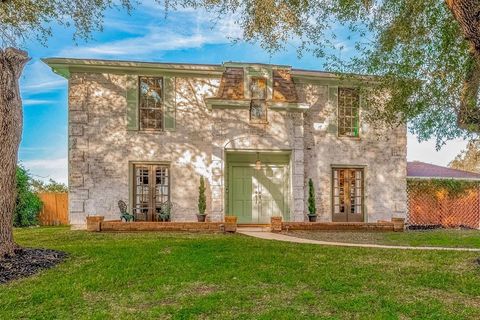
x=94 y=223
x=230 y=224
x=398 y=224
x=161 y=226
x=276 y=224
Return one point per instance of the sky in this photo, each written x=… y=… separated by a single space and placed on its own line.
x=185 y=36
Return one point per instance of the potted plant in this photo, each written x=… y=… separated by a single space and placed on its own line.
x=202 y=201
x=312 y=210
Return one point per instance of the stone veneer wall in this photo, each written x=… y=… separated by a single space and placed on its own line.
x=101 y=150
x=382 y=152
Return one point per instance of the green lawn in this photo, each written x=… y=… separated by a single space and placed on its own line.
x=199 y=276
x=439 y=237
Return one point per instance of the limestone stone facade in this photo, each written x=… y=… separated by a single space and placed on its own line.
x=102 y=149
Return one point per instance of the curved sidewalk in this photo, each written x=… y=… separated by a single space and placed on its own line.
x=285 y=238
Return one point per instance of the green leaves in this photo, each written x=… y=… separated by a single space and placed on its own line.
x=24 y=19
x=416 y=46
x=451 y=188
x=28 y=204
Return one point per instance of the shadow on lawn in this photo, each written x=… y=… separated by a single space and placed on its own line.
x=28 y=261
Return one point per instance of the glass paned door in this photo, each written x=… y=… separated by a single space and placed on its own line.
x=348 y=195
x=151 y=190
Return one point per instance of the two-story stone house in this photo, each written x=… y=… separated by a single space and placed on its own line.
x=145 y=133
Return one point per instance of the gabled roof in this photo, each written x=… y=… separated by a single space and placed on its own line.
x=417 y=169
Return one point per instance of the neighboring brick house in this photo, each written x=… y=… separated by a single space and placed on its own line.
x=146 y=132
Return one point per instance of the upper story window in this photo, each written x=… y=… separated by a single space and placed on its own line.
x=258 y=88
x=348 y=112
x=151 y=103
x=258 y=106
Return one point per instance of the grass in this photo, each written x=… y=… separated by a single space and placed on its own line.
x=200 y=276
x=436 y=238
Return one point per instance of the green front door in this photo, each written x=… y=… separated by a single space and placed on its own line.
x=241 y=193
x=256 y=195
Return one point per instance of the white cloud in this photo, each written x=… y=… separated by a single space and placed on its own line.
x=39 y=78
x=43 y=85
x=45 y=169
x=34 y=102
x=185 y=30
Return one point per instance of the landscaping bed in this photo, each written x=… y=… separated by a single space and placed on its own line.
x=436 y=237
x=28 y=261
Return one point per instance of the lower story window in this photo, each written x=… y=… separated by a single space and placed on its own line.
x=151 y=192
x=348 y=193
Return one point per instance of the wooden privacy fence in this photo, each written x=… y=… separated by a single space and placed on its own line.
x=439 y=208
x=55 y=209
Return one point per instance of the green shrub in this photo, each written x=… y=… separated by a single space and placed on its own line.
x=50 y=186
x=202 y=200
x=312 y=210
x=28 y=203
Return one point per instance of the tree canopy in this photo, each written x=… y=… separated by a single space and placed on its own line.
x=26 y=19
x=424 y=50
x=468 y=159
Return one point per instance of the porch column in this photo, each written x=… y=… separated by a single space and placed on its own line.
x=216 y=183
x=298 y=180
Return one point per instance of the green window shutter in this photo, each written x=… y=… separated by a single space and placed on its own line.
x=170 y=103
x=132 y=102
x=357 y=115
x=333 y=102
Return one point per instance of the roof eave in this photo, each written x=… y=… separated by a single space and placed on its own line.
x=64 y=66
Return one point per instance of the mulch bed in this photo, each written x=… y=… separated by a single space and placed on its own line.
x=28 y=261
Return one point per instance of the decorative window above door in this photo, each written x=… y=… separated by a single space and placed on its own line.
x=258 y=88
x=258 y=105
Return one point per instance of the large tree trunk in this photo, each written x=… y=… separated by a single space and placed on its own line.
x=467 y=14
x=12 y=62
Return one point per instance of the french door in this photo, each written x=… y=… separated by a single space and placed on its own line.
x=151 y=189
x=348 y=194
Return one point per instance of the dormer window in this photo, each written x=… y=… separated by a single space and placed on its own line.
x=258 y=88
x=258 y=105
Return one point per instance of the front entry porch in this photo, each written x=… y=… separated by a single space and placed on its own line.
x=258 y=186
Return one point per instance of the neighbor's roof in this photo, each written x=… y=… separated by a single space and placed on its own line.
x=417 y=169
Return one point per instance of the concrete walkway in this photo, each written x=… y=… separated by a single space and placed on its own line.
x=285 y=238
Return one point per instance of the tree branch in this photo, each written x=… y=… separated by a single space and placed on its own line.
x=467 y=14
x=469 y=113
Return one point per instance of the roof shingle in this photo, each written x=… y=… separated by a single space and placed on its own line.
x=418 y=169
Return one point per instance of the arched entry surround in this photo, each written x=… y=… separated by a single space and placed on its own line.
x=264 y=145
